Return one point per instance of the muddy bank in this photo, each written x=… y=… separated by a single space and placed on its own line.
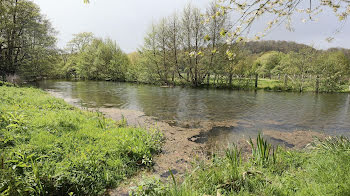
x=189 y=141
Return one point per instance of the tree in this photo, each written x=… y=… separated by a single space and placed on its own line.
x=26 y=38
x=298 y=67
x=190 y=50
x=268 y=62
x=213 y=36
x=102 y=60
x=79 y=41
x=333 y=71
x=280 y=11
x=173 y=32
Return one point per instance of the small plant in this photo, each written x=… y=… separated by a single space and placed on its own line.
x=233 y=155
x=123 y=122
x=335 y=143
x=102 y=121
x=2 y=83
x=263 y=152
x=149 y=187
x=174 y=180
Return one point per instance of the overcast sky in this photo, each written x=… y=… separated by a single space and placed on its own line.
x=127 y=21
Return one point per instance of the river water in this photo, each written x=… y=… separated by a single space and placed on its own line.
x=253 y=111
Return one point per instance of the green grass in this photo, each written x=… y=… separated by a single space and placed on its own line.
x=51 y=148
x=264 y=84
x=322 y=170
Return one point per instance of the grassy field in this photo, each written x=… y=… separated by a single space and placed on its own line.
x=51 y=148
x=323 y=169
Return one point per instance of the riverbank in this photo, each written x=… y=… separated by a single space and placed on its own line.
x=188 y=143
x=322 y=168
x=243 y=84
x=51 y=147
x=267 y=85
x=185 y=149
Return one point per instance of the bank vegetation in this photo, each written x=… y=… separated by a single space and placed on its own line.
x=189 y=48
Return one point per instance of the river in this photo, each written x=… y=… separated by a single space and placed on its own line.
x=252 y=111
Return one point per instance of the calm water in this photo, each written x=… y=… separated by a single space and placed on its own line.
x=261 y=110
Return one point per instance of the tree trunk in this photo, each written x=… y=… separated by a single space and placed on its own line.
x=173 y=78
x=317 y=86
x=256 y=80
x=230 y=79
x=285 y=80
x=302 y=83
x=208 y=79
x=214 y=80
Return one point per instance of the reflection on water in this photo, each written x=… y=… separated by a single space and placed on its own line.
x=252 y=110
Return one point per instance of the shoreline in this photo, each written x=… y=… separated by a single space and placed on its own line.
x=204 y=86
x=180 y=147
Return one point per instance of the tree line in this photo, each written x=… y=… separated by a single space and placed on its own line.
x=28 y=49
x=191 y=47
x=91 y=58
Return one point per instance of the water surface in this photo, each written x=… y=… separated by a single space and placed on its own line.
x=253 y=111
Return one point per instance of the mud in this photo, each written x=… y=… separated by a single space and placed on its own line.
x=299 y=139
x=191 y=141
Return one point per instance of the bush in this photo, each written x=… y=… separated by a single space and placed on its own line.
x=2 y=83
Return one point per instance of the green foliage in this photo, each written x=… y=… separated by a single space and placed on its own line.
x=149 y=186
x=94 y=59
x=332 y=67
x=261 y=153
x=190 y=48
x=335 y=144
x=268 y=61
x=27 y=40
x=80 y=41
x=234 y=158
x=179 y=50
x=323 y=170
x=50 y=147
x=6 y=84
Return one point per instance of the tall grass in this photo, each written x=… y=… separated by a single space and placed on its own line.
x=324 y=170
x=233 y=156
x=263 y=153
x=335 y=144
x=51 y=148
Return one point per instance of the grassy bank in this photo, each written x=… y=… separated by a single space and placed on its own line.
x=275 y=85
x=323 y=169
x=263 y=84
x=51 y=148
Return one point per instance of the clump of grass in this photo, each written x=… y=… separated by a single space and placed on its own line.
x=263 y=153
x=340 y=143
x=233 y=156
x=51 y=148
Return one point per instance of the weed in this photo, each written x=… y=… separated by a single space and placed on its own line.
x=262 y=154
